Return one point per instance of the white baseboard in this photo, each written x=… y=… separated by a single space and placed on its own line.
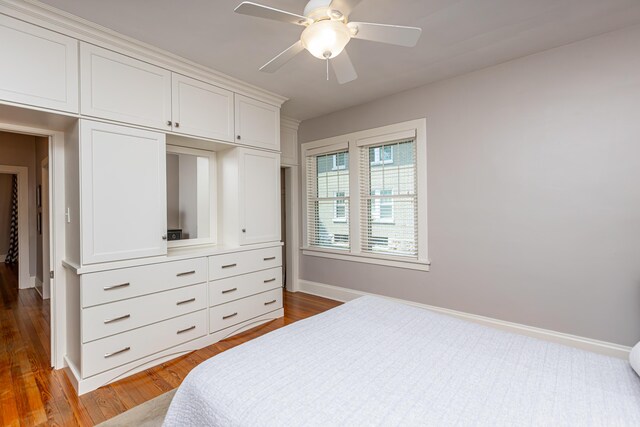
x=610 y=349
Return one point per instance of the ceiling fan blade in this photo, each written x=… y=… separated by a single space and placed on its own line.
x=344 y=6
x=261 y=11
x=343 y=68
x=383 y=33
x=282 y=58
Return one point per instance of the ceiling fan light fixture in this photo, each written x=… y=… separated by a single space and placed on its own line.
x=326 y=39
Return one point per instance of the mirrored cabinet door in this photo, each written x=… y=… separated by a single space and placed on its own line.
x=191 y=207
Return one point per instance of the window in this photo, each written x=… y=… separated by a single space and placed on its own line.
x=339 y=161
x=339 y=208
x=389 y=220
x=382 y=155
x=388 y=225
x=328 y=200
x=382 y=210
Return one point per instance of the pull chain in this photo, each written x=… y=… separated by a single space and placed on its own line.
x=327 y=55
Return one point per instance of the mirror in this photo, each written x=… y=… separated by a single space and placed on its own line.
x=190 y=196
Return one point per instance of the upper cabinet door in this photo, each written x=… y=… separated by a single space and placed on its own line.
x=124 y=89
x=39 y=67
x=201 y=109
x=257 y=123
x=123 y=192
x=259 y=174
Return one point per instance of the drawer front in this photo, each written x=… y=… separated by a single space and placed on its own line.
x=115 y=285
x=234 y=264
x=233 y=288
x=120 y=316
x=108 y=353
x=225 y=315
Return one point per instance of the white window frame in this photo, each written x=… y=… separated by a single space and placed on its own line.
x=411 y=129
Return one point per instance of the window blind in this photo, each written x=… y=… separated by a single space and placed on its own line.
x=328 y=200
x=389 y=198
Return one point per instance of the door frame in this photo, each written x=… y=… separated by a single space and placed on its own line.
x=46 y=231
x=57 y=235
x=24 y=276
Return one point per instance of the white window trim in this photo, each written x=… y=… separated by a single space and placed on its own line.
x=414 y=128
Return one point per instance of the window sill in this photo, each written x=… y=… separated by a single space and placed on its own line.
x=389 y=261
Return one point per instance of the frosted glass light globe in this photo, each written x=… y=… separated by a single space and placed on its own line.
x=325 y=39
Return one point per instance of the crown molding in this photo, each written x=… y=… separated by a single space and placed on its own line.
x=289 y=122
x=54 y=19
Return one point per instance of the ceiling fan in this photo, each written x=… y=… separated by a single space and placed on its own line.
x=327 y=32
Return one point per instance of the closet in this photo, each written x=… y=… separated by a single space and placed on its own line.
x=134 y=298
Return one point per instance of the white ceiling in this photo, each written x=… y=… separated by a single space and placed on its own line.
x=458 y=36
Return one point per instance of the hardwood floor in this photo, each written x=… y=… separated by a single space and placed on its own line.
x=31 y=393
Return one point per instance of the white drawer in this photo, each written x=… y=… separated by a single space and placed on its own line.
x=116 y=317
x=236 y=287
x=108 y=353
x=234 y=264
x=114 y=285
x=225 y=315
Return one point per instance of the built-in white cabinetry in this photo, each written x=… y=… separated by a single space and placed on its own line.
x=250 y=187
x=122 y=193
x=201 y=109
x=117 y=87
x=257 y=123
x=39 y=67
x=289 y=141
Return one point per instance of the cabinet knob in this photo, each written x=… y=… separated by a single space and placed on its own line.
x=238 y=137
x=177 y=124
x=168 y=122
x=244 y=230
x=164 y=237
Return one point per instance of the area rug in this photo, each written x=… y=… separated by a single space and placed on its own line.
x=149 y=414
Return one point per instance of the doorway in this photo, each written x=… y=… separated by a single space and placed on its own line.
x=290 y=226
x=25 y=198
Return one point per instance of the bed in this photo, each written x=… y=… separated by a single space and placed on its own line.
x=373 y=361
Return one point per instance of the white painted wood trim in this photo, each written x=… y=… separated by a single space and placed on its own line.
x=410 y=264
x=24 y=276
x=602 y=347
x=65 y=23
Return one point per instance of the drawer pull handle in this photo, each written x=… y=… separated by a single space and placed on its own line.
x=270 y=302
x=226 y=291
x=229 y=265
x=271 y=258
x=115 y=319
x=270 y=280
x=190 y=328
x=117 y=352
x=186 y=273
x=186 y=301
x=121 y=285
x=229 y=316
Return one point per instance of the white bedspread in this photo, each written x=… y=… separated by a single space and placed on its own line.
x=376 y=362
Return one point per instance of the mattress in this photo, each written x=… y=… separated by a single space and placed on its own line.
x=373 y=361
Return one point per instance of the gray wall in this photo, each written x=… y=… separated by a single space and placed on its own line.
x=533 y=194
